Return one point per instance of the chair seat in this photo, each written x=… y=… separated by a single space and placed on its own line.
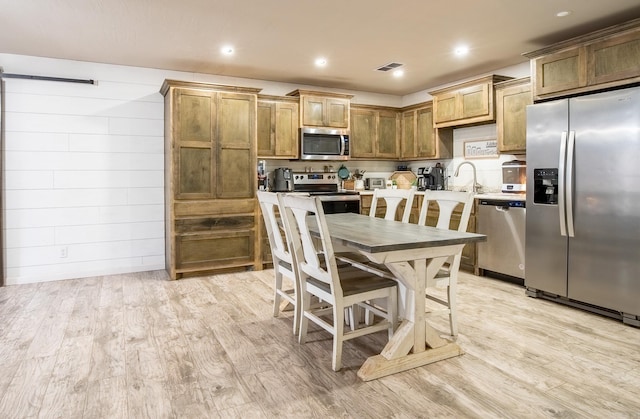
x=352 y=286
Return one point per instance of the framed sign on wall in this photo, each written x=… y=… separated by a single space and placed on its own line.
x=481 y=149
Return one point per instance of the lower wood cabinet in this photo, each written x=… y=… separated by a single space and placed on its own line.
x=381 y=208
x=213 y=235
x=202 y=250
x=469 y=260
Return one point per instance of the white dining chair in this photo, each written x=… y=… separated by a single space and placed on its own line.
x=393 y=199
x=447 y=277
x=319 y=277
x=283 y=264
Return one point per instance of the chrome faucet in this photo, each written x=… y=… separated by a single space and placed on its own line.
x=476 y=186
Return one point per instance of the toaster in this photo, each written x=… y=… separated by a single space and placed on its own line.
x=371 y=183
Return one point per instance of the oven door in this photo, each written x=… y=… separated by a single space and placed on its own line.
x=336 y=204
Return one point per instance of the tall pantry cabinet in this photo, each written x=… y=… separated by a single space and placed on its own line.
x=210 y=177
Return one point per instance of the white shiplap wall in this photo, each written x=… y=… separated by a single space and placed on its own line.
x=83 y=171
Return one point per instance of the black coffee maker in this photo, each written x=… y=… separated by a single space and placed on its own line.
x=432 y=178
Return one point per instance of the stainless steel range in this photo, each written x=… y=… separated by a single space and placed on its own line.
x=327 y=186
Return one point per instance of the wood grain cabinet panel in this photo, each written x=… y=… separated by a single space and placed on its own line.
x=447 y=107
x=206 y=252
x=388 y=139
x=598 y=60
x=210 y=183
x=475 y=101
x=408 y=139
x=364 y=130
x=561 y=71
x=512 y=99
x=425 y=142
x=278 y=127
x=614 y=59
x=374 y=132
x=323 y=109
x=195 y=173
x=471 y=102
x=420 y=139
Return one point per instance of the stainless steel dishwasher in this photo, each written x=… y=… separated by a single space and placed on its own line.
x=503 y=222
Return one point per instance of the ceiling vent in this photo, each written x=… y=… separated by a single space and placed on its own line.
x=389 y=66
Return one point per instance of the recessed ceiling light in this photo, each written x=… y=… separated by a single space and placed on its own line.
x=321 y=62
x=227 y=50
x=563 y=13
x=461 y=50
x=398 y=73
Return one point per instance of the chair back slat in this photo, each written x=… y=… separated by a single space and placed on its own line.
x=393 y=198
x=306 y=247
x=447 y=202
x=269 y=203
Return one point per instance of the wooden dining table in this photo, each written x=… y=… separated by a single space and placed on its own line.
x=414 y=254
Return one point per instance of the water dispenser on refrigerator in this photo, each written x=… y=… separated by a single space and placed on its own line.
x=545 y=186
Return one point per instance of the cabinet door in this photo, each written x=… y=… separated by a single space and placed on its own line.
x=561 y=71
x=313 y=110
x=236 y=174
x=468 y=261
x=387 y=143
x=337 y=113
x=194 y=134
x=407 y=146
x=425 y=138
x=511 y=121
x=363 y=133
x=446 y=106
x=286 y=130
x=266 y=129
x=474 y=101
x=614 y=59
x=215 y=250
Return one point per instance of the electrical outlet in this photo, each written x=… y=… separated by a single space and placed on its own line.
x=64 y=251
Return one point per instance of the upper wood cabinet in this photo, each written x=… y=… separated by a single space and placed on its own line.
x=599 y=60
x=512 y=98
x=323 y=109
x=210 y=177
x=278 y=127
x=419 y=139
x=471 y=102
x=374 y=132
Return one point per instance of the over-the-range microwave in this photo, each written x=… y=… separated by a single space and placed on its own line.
x=324 y=144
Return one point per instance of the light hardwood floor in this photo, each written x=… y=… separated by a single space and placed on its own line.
x=140 y=346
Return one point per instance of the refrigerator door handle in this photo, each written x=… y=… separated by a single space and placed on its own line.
x=569 y=182
x=561 y=179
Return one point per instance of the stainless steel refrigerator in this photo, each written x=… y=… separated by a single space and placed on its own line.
x=583 y=202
